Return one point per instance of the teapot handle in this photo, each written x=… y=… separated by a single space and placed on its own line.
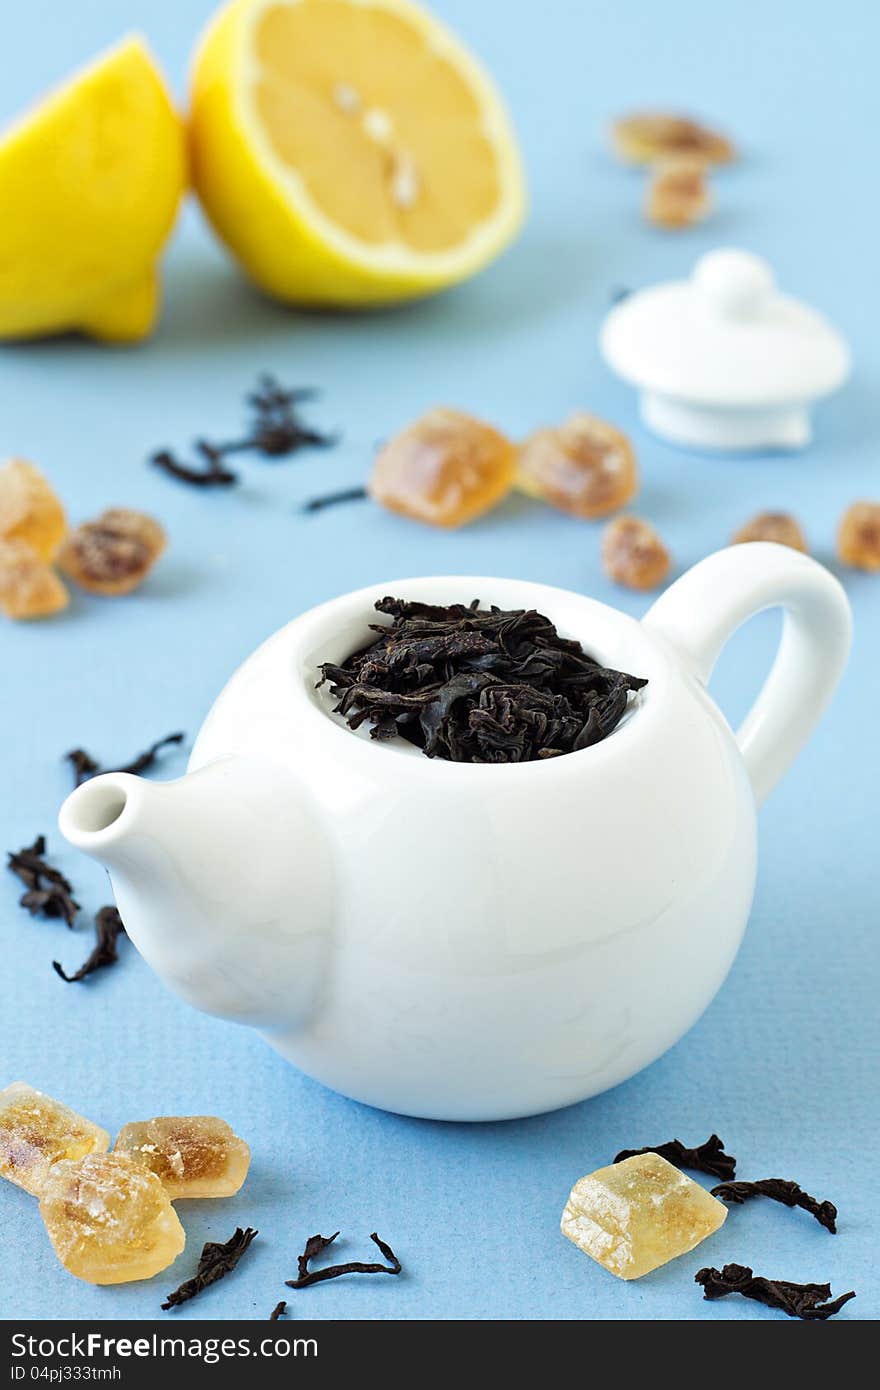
x=699 y=612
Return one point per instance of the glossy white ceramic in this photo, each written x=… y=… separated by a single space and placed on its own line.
x=722 y=360
x=471 y=942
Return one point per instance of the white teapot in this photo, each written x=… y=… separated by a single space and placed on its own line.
x=469 y=941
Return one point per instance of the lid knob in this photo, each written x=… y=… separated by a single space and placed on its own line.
x=734 y=284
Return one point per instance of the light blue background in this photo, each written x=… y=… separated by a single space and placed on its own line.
x=784 y=1063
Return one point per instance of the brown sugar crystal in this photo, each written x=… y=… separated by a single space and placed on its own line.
x=109 y=1220
x=191 y=1155
x=114 y=554
x=633 y=553
x=778 y=527
x=29 y=509
x=678 y=192
x=635 y=1216
x=37 y=1132
x=29 y=587
x=858 y=539
x=446 y=469
x=584 y=466
x=648 y=136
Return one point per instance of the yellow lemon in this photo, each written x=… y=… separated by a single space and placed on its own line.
x=89 y=186
x=350 y=152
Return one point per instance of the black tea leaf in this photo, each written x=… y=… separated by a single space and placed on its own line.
x=807 y=1301
x=705 y=1158
x=108 y=929
x=275 y=429
x=212 y=474
x=316 y=1244
x=332 y=499
x=48 y=893
x=84 y=765
x=214 y=1262
x=779 y=1190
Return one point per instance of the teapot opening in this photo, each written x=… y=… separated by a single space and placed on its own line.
x=473 y=681
x=94 y=807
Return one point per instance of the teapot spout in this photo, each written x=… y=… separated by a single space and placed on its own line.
x=222 y=879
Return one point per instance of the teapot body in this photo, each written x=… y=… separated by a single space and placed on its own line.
x=503 y=939
x=462 y=941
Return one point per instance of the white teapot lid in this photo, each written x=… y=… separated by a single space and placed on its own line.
x=725 y=338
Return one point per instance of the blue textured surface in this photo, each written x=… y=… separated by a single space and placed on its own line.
x=784 y=1063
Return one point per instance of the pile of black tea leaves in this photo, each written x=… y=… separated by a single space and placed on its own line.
x=478 y=685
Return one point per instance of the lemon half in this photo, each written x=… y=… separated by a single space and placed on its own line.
x=90 y=181
x=350 y=151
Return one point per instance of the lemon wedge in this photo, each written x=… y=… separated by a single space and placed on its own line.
x=90 y=181
x=350 y=152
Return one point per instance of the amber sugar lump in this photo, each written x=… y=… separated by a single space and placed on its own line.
x=643 y=137
x=635 y=1216
x=37 y=1132
x=29 y=587
x=29 y=509
x=779 y=527
x=678 y=193
x=584 y=466
x=109 y=1220
x=191 y=1155
x=858 y=539
x=446 y=469
x=113 y=554
x=633 y=554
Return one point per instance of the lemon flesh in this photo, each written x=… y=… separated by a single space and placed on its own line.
x=350 y=151
x=90 y=181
